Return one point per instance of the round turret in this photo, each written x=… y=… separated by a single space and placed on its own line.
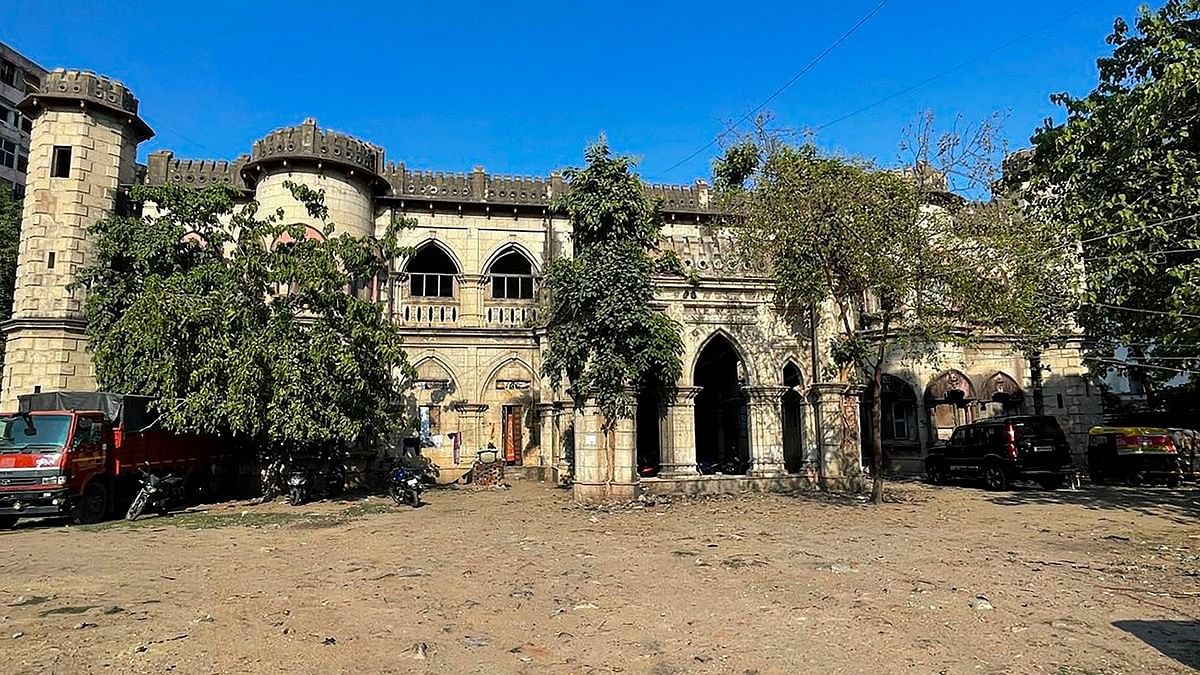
x=346 y=168
x=83 y=89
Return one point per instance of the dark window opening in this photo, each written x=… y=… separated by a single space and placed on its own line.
x=8 y=72
x=37 y=388
x=793 y=420
x=512 y=277
x=1060 y=400
x=8 y=154
x=431 y=273
x=60 y=162
x=50 y=260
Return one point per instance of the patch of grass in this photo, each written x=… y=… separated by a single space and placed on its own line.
x=252 y=519
x=360 y=510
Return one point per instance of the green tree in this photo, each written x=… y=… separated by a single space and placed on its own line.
x=1121 y=169
x=904 y=266
x=603 y=333
x=10 y=239
x=242 y=329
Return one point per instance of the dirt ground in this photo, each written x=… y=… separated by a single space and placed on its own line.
x=521 y=580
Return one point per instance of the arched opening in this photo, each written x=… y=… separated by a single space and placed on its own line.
x=793 y=420
x=512 y=277
x=948 y=401
x=722 y=428
x=1001 y=397
x=649 y=447
x=431 y=273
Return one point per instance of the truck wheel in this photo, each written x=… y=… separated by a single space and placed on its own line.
x=92 y=505
x=8 y=522
x=994 y=476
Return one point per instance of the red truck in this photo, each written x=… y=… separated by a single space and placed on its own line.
x=78 y=453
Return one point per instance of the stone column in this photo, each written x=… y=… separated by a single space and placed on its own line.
x=604 y=461
x=677 y=438
x=562 y=417
x=547 y=442
x=471 y=416
x=766 y=430
x=839 y=445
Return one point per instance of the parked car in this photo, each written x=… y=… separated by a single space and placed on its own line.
x=1139 y=455
x=1002 y=450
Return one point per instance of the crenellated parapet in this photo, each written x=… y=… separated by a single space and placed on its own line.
x=309 y=145
x=162 y=167
x=711 y=256
x=83 y=88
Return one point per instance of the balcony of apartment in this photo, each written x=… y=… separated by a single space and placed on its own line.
x=510 y=296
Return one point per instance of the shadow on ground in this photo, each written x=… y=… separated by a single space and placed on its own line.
x=1181 y=505
x=1179 y=640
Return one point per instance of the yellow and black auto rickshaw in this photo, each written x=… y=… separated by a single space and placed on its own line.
x=1135 y=455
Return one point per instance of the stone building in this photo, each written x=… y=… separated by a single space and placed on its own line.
x=18 y=76
x=754 y=409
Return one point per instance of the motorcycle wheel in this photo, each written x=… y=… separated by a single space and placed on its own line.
x=414 y=498
x=396 y=494
x=138 y=505
x=295 y=497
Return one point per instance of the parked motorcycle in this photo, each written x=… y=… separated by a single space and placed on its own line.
x=156 y=494
x=297 y=487
x=405 y=487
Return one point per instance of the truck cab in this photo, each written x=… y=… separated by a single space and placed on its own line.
x=47 y=461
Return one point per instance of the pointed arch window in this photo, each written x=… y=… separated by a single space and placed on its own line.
x=432 y=273
x=512 y=277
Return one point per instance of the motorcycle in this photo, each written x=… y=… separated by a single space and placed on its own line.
x=404 y=486
x=297 y=484
x=156 y=494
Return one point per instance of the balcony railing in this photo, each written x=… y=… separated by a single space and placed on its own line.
x=427 y=314
x=510 y=315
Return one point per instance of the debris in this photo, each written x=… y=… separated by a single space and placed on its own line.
x=84 y=624
x=419 y=651
x=18 y=635
x=207 y=618
x=981 y=603
x=30 y=600
x=113 y=610
x=476 y=640
x=586 y=605
x=840 y=568
x=141 y=648
x=1116 y=537
x=521 y=593
x=329 y=641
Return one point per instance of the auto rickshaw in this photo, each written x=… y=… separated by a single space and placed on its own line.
x=1134 y=455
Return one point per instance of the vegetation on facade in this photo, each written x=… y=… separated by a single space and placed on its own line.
x=604 y=333
x=1121 y=171
x=905 y=265
x=243 y=323
x=10 y=239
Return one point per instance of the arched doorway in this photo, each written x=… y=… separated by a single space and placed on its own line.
x=722 y=417
x=793 y=420
x=649 y=445
x=1001 y=396
x=948 y=401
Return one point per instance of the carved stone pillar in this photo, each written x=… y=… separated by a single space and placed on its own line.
x=766 y=430
x=839 y=445
x=547 y=438
x=677 y=438
x=604 y=461
x=471 y=416
x=563 y=421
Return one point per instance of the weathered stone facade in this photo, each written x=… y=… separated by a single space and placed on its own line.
x=754 y=409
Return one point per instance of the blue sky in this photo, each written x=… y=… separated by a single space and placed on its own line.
x=447 y=86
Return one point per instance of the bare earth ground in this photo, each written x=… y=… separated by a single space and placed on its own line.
x=1099 y=581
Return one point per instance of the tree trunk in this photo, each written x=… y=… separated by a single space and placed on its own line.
x=877 y=432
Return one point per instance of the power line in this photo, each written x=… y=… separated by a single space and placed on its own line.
x=959 y=66
x=803 y=71
x=1127 y=364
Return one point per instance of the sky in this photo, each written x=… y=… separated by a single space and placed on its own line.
x=447 y=86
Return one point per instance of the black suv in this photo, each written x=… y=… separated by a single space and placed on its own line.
x=1001 y=450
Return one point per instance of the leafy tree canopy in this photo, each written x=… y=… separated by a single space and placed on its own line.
x=1122 y=169
x=906 y=265
x=10 y=239
x=243 y=322
x=603 y=332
